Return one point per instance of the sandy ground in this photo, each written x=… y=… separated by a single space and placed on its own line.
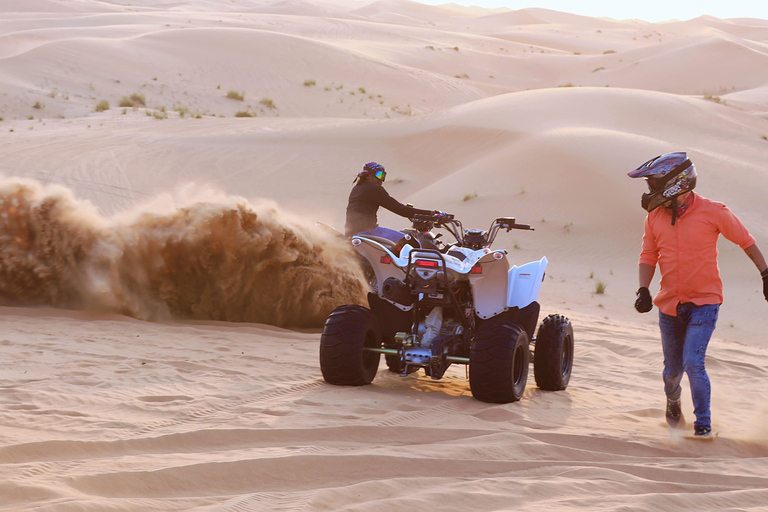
x=163 y=282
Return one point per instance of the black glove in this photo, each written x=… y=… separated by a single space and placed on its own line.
x=643 y=302
x=765 y=285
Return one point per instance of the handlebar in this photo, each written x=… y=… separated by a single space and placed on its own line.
x=509 y=223
x=424 y=223
x=436 y=218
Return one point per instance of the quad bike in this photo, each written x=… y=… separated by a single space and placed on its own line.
x=432 y=305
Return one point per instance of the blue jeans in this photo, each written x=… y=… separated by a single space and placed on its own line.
x=684 y=339
x=389 y=234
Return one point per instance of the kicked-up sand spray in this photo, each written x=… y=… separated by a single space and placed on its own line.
x=206 y=256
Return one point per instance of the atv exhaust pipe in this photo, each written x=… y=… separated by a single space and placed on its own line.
x=397 y=291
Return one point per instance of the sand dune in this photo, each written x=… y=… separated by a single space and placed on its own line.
x=236 y=417
x=163 y=280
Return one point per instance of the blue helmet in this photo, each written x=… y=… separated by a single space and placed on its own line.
x=373 y=167
x=373 y=170
x=668 y=176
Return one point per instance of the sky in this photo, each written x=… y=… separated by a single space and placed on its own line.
x=647 y=10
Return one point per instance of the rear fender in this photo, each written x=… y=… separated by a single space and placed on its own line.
x=489 y=289
x=373 y=252
x=525 y=283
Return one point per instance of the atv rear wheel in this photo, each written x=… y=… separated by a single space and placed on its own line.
x=553 y=353
x=498 y=362
x=343 y=360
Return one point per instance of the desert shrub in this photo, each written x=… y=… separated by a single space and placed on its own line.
x=600 y=287
x=243 y=113
x=309 y=83
x=38 y=105
x=133 y=101
x=234 y=95
x=102 y=106
x=268 y=103
x=469 y=196
x=138 y=99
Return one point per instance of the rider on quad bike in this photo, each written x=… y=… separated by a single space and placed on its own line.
x=364 y=201
x=432 y=305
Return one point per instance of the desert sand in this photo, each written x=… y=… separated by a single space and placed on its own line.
x=164 y=282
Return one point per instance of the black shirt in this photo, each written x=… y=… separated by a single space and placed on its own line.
x=364 y=201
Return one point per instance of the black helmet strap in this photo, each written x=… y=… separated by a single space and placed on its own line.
x=674 y=210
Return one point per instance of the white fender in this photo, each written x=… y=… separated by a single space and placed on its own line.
x=489 y=289
x=525 y=283
x=373 y=251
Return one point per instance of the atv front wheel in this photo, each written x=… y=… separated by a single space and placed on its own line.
x=498 y=362
x=553 y=353
x=343 y=360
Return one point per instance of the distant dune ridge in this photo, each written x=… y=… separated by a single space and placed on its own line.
x=163 y=276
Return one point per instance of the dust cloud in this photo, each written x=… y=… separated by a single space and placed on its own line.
x=207 y=257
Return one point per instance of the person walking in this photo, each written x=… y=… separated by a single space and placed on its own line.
x=680 y=236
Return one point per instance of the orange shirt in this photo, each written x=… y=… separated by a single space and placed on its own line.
x=687 y=252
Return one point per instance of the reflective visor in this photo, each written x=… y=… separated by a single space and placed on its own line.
x=380 y=174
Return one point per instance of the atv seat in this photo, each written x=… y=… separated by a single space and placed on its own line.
x=396 y=247
x=386 y=242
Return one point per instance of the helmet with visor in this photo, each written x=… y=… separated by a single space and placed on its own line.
x=372 y=170
x=668 y=176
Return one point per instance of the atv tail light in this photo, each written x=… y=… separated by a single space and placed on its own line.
x=498 y=255
x=356 y=242
x=477 y=269
x=385 y=260
x=427 y=263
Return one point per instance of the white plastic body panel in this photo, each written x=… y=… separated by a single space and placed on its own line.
x=489 y=289
x=525 y=283
x=495 y=290
x=373 y=251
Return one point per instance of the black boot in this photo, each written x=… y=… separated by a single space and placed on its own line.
x=674 y=415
